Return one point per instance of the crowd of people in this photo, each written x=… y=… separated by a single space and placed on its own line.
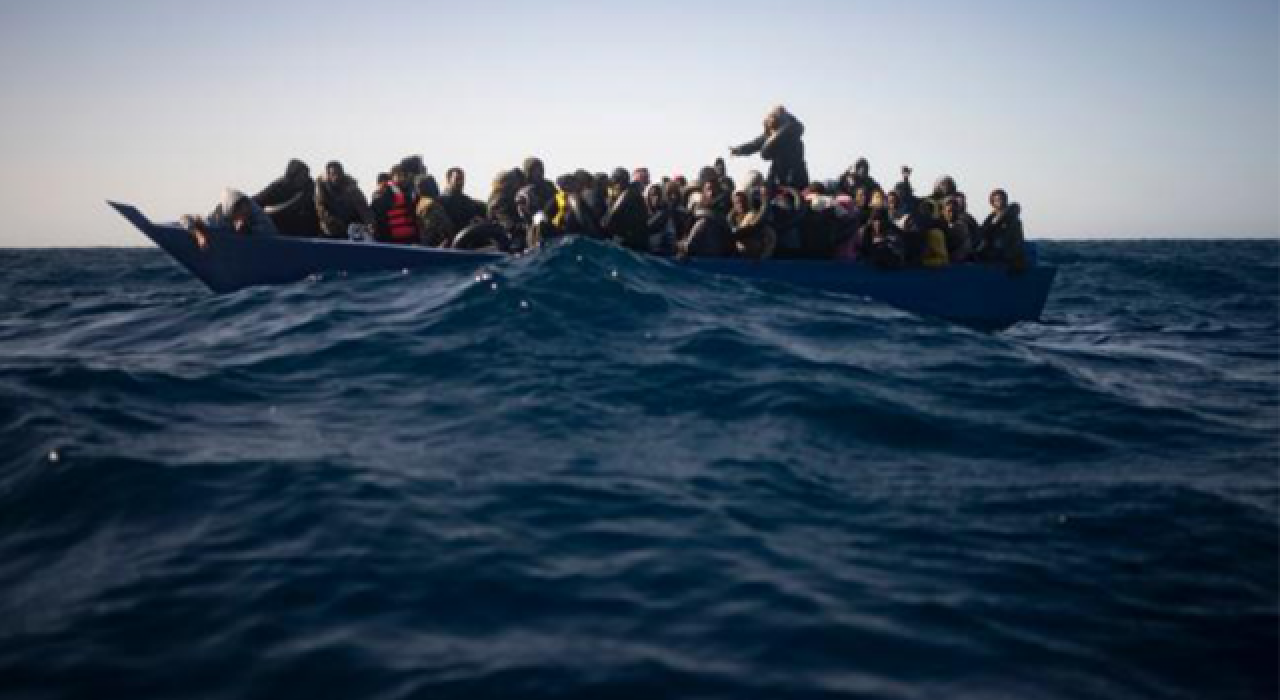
x=779 y=215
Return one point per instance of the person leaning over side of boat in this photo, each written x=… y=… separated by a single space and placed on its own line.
x=236 y=213
x=781 y=144
x=627 y=221
x=340 y=203
x=435 y=227
x=290 y=201
x=394 y=208
x=1001 y=240
x=462 y=209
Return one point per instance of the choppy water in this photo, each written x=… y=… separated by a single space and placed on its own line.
x=566 y=482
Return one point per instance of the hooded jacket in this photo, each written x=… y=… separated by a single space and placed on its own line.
x=1001 y=240
x=341 y=204
x=290 y=201
x=219 y=220
x=628 y=220
x=784 y=149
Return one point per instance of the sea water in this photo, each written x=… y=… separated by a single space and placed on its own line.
x=588 y=474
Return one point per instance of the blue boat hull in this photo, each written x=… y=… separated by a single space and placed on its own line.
x=978 y=296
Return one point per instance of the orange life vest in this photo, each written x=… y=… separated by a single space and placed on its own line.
x=400 y=223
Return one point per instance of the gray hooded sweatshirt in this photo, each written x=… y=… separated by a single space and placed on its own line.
x=220 y=218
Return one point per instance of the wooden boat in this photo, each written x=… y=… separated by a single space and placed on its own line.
x=978 y=296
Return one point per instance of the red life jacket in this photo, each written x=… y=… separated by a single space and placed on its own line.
x=400 y=223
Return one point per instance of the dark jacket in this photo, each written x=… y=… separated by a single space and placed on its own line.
x=462 y=210
x=710 y=236
x=784 y=150
x=580 y=218
x=291 y=202
x=340 y=205
x=627 y=221
x=1002 y=238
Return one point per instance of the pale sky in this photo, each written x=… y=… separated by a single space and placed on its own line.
x=1103 y=118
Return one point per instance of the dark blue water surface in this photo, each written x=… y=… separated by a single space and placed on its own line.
x=586 y=474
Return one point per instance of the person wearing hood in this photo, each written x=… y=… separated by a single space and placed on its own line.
x=340 y=203
x=663 y=225
x=290 y=201
x=236 y=213
x=943 y=189
x=627 y=220
x=722 y=173
x=858 y=177
x=435 y=227
x=502 y=203
x=543 y=192
x=394 y=208
x=1001 y=240
x=710 y=236
x=782 y=145
x=577 y=216
x=881 y=243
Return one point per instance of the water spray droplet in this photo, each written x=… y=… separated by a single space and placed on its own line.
x=613 y=273
x=54 y=457
x=524 y=304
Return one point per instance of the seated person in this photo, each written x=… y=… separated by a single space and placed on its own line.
x=960 y=235
x=236 y=213
x=462 y=210
x=1001 y=238
x=627 y=220
x=290 y=201
x=882 y=244
x=394 y=209
x=340 y=203
x=753 y=237
x=710 y=236
x=435 y=227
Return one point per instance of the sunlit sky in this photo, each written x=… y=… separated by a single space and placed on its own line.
x=1104 y=119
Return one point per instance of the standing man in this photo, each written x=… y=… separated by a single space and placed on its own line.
x=781 y=144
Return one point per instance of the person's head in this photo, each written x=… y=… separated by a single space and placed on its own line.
x=962 y=203
x=653 y=197
x=860 y=198
x=950 y=210
x=426 y=186
x=754 y=180
x=707 y=174
x=600 y=182
x=455 y=179
x=877 y=200
x=741 y=205
x=674 y=193
x=533 y=170
x=382 y=180
x=567 y=184
x=297 y=171
x=893 y=200
x=862 y=168
x=944 y=187
x=681 y=180
x=413 y=166
x=710 y=190
x=399 y=176
x=721 y=169
x=241 y=213
x=926 y=209
x=775 y=118
x=620 y=179
x=334 y=172
x=641 y=176
x=999 y=200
